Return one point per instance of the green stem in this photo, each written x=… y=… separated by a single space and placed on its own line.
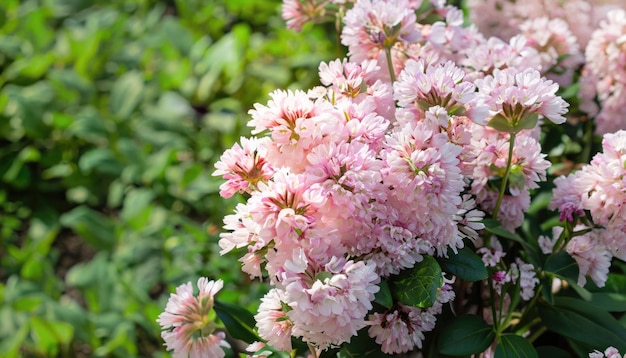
x=492 y=293
x=537 y=334
x=505 y=179
x=392 y=74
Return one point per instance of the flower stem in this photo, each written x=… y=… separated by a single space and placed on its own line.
x=505 y=179
x=392 y=73
x=312 y=350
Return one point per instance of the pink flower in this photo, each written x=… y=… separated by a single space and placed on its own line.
x=244 y=166
x=491 y=256
x=423 y=86
x=516 y=95
x=526 y=275
x=187 y=327
x=273 y=323
x=328 y=302
x=592 y=257
x=610 y=352
x=299 y=12
x=402 y=328
x=372 y=26
x=556 y=45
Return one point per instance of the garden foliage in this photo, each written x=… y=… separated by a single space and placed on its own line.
x=112 y=114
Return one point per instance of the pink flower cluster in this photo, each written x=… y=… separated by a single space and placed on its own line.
x=598 y=191
x=356 y=180
x=604 y=77
x=566 y=35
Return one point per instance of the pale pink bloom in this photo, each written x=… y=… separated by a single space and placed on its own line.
x=592 y=257
x=328 y=302
x=502 y=18
x=599 y=187
x=567 y=196
x=604 y=75
x=422 y=168
x=546 y=243
x=491 y=256
x=402 y=328
x=372 y=26
x=272 y=321
x=187 y=329
x=526 y=275
x=500 y=278
x=299 y=12
x=518 y=94
x=257 y=350
x=556 y=47
x=244 y=166
x=496 y=54
x=422 y=86
x=610 y=352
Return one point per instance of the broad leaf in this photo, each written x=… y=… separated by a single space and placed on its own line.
x=581 y=321
x=239 y=322
x=466 y=265
x=562 y=265
x=465 y=335
x=383 y=296
x=419 y=285
x=514 y=346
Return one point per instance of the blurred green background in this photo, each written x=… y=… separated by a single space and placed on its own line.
x=112 y=114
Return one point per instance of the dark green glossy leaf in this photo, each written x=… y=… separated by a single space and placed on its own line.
x=239 y=322
x=465 y=264
x=465 y=335
x=383 y=296
x=514 y=346
x=583 y=322
x=419 y=285
x=552 y=352
x=562 y=265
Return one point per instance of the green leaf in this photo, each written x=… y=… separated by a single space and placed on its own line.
x=514 y=346
x=528 y=122
x=609 y=301
x=419 y=285
x=465 y=264
x=498 y=122
x=552 y=352
x=579 y=320
x=383 y=296
x=239 y=322
x=465 y=335
x=126 y=94
x=96 y=229
x=100 y=160
x=562 y=265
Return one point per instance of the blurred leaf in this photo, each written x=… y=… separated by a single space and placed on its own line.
x=418 y=286
x=465 y=335
x=95 y=228
x=126 y=94
x=100 y=160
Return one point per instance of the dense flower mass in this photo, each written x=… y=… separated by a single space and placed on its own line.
x=598 y=189
x=404 y=151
